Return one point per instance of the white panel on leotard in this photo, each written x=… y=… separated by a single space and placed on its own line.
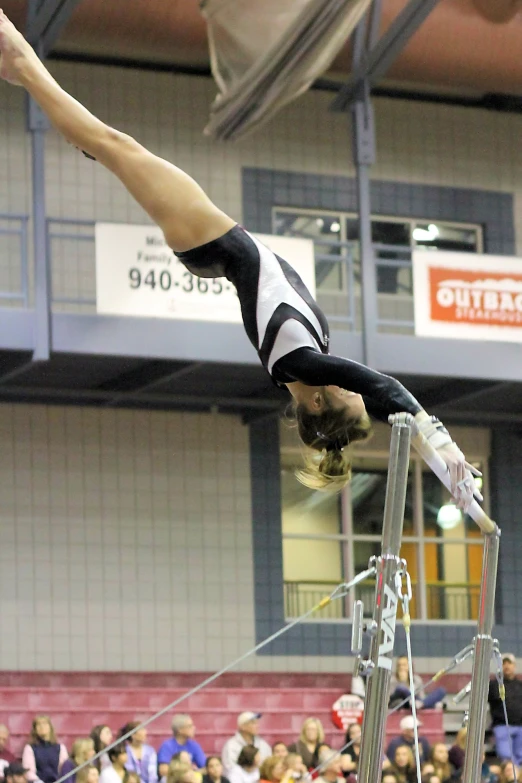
x=274 y=289
x=292 y=334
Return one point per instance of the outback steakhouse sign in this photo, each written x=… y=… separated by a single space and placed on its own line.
x=463 y=295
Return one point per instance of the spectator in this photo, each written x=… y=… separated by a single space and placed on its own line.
x=81 y=750
x=43 y=756
x=141 y=758
x=508 y=774
x=246 y=769
x=295 y=767
x=101 y=735
x=6 y=757
x=115 y=773
x=400 y=688
x=272 y=770
x=430 y=777
x=184 y=757
x=427 y=768
x=279 y=749
x=14 y=773
x=131 y=777
x=439 y=759
x=407 y=737
x=513 y=688
x=214 y=771
x=180 y=772
x=88 y=774
x=330 y=766
x=389 y=777
x=247 y=734
x=183 y=731
x=310 y=738
x=457 y=752
x=350 y=755
x=403 y=764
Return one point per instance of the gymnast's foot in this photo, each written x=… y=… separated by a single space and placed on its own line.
x=17 y=58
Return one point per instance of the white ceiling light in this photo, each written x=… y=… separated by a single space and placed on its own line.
x=449 y=516
x=335 y=227
x=426 y=234
x=320 y=222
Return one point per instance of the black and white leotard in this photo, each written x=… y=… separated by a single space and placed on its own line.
x=285 y=325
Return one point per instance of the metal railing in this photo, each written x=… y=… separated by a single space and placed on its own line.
x=15 y=228
x=71 y=245
x=445 y=600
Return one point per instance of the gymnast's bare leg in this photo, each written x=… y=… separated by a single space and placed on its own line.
x=173 y=200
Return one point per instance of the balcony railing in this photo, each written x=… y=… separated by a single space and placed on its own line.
x=14 y=277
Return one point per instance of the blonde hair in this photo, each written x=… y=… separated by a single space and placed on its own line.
x=266 y=770
x=403 y=777
x=82 y=776
x=330 y=433
x=462 y=738
x=443 y=770
x=80 y=750
x=320 y=730
x=177 y=771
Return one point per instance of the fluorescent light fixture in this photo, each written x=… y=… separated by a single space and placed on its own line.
x=449 y=516
x=335 y=227
x=426 y=234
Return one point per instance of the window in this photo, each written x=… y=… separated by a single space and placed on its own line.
x=329 y=539
x=338 y=265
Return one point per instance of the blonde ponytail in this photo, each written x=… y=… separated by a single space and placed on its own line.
x=329 y=471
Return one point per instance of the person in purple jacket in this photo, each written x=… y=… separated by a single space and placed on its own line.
x=141 y=758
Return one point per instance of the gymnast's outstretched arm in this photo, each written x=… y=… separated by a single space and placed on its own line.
x=173 y=200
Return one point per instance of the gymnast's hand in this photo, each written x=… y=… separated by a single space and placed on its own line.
x=461 y=473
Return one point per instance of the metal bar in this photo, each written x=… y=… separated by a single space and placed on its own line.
x=72 y=236
x=37 y=126
x=391 y=322
x=76 y=221
x=483 y=650
x=382 y=55
x=13 y=216
x=11 y=296
x=71 y=300
x=45 y=25
x=24 y=264
x=386 y=600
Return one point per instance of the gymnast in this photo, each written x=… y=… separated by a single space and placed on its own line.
x=332 y=396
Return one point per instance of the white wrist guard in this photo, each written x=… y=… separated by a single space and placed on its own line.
x=433 y=430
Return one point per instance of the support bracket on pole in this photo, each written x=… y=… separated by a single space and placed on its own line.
x=46 y=20
x=378 y=59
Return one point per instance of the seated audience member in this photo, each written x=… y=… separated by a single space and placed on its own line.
x=513 y=704
x=407 y=737
x=88 y=774
x=457 y=752
x=101 y=735
x=180 y=772
x=400 y=688
x=184 y=758
x=403 y=764
x=427 y=768
x=43 y=756
x=389 y=777
x=6 y=757
x=183 y=731
x=279 y=749
x=214 y=771
x=81 y=750
x=15 y=773
x=310 y=739
x=246 y=769
x=508 y=773
x=350 y=755
x=273 y=770
x=330 y=762
x=115 y=772
x=430 y=777
x=141 y=758
x=295 y=767
x=247 y=734
x=439 y=759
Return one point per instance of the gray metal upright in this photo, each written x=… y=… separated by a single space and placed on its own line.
x=386 y=600
x=482 y=653
x=363 y=128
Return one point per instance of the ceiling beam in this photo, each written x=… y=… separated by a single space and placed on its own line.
x=97 y=397
x=379 y=58
x=45 y=22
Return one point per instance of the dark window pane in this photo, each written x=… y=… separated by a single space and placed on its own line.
x=368 y=490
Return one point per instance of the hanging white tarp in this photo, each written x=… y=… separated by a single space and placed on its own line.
x=264 y=53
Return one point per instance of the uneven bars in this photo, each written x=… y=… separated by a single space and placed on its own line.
x=439 y=467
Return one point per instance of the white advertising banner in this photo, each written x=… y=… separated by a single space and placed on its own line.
x=138 y=274
x=467 y=296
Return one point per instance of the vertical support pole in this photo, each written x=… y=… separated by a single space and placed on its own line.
x=363 y=127
x=482 y=653
x=386 y=600
x=37 y=126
